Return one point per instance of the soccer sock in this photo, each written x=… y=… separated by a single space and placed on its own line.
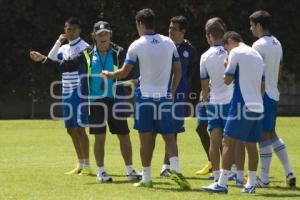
x=101 y=170
x=251 y=179
x=129 y=169
x=265 y=153
x=146 y=174
x=165 y=166
x=240 y=175
x=216 y=175
x=174 y=164
x=280 y=150
x=80 y=163
x=223 y=178
x=233 y=168
x=86 y=162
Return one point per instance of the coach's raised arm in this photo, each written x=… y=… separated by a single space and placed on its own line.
x=65 y=66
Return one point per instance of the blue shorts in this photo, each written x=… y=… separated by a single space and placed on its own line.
x=73 y=119
x=217 y=115
x=179 y=114
x=270 y=112
x=153 y=114
x=247 y=128
x=202 y=114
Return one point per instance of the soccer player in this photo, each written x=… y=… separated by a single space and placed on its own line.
x=104 y=55
x=189 y=61
x=71 y=99
x=156 y=56
x=271 y=51
x=245 y=67
x=216 y=94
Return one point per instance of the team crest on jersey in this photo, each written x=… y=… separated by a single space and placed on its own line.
x=186 y=54
x=154 y=41
x=77 y=50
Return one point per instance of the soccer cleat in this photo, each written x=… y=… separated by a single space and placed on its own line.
x=291 y=180
x=215 y=187
x=165 y=173
x=103 y=178
x=143 y=184
x=180 y=180
x=86 y=171
x=261 y=184
x=250 y=190
x=134 y=176
x=205 y=170
x=239 y=183
x=77 y=170
x=232 y=176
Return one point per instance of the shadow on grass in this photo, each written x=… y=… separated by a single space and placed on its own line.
x=197 y=178
x=279 y=195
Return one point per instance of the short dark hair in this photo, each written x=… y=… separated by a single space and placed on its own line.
x=215 y=29
x=216 y=20
x=233 y=36
x=262 y=17
x=74 y=21
x=147 y=17
x=181 y=20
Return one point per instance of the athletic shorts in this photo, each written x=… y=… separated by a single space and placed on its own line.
x=74 y=115
x=217 y=115
x=270 y=112
x=245 y=127
x=101 y=112
x=153 y=115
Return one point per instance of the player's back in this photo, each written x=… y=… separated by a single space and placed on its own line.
x=212 y=67
x=155 y=56
x=271 y=51
x=248 y=78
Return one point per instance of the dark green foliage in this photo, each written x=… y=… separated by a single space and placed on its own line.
x=36 y=24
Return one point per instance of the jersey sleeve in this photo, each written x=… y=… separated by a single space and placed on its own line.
x=175 y=57
x=132 y=56
x=232 y=64
x=259 y=48
x=203 y=70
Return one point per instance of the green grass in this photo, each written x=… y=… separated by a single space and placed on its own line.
x=35 y=154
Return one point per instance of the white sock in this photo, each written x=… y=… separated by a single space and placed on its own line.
x=265 y=153
x=129 y=169
x=100 y=170
x=223 y=178
x=165 y=166
x=86 y=162
x=174 y=164
x=146 y=174
x=216 y=175
x=251 y=179
x=81 y=163
x=280 y=150
x=240 y=175
x=233 y=168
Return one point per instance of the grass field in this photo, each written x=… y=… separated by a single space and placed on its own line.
x=35 y=154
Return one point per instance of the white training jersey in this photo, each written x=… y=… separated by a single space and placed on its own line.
x=154 y=55
x=70 y=80
x=212 y=68
x=271 y=51
x=246 y=66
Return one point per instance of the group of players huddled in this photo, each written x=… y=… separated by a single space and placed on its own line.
x=237 y=105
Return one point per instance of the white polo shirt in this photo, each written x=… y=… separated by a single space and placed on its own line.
x=246 y=66
x=212 y=68
x=70 y=80
x=154 y=55
x=271 y=51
